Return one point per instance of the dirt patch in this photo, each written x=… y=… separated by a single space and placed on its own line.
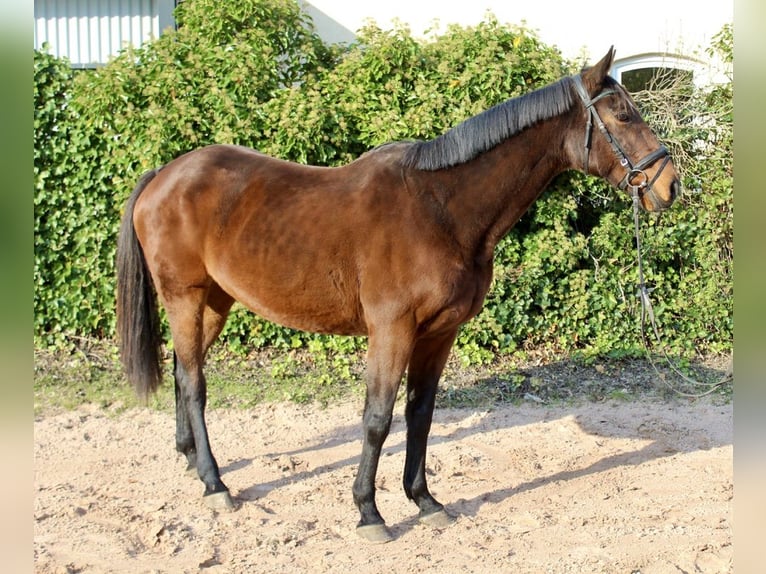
x=601 y=487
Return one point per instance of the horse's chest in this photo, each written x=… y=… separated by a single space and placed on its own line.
x=475 y=292
x=463 y=302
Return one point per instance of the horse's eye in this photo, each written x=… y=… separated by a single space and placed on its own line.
x=623 y=116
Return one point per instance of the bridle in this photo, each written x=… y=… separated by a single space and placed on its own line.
x=633 y=172
x=637 y=190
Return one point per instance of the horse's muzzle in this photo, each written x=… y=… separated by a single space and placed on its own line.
x=651 y=201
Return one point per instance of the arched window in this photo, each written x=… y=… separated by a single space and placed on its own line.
x=652 y=70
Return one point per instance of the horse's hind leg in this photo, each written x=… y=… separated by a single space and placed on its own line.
x=184 y=436
x=216 y=311
x=195 y=324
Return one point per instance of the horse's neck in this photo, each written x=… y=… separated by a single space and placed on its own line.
x=493 y=191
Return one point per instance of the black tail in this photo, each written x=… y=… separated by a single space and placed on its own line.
x=138 y=324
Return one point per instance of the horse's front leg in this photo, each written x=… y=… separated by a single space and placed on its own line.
x=387 y=356
x=425 y=368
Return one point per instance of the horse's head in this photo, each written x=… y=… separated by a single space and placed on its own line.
x=619 y=145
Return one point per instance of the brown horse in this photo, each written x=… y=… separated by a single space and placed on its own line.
x=396 y=246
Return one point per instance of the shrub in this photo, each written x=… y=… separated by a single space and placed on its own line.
x=203 y=83
x=255 y=73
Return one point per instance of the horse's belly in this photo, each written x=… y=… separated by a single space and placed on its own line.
x=311 y=320
x=308 y=303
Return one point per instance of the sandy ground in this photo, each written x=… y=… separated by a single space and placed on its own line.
x=640 y=487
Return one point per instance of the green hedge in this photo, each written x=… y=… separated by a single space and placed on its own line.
x=255 y=73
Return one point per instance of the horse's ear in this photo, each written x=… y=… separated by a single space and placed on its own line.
x=595 y=75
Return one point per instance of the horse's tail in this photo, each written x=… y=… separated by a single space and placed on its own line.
x=138 y=324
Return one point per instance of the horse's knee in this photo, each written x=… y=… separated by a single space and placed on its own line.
x=376 y=426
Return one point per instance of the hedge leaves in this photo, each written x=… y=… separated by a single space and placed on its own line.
x=255 y=73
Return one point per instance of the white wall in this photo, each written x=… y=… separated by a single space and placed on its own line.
x=88 y=32
x=576 y=27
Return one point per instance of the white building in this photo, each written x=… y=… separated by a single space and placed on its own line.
x=649 y=34
x=88 y=32
x=646 y=34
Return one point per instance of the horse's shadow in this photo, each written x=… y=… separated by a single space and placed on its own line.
x=590 y=423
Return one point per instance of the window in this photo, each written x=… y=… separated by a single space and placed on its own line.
x=654 y=70
x=640 y=79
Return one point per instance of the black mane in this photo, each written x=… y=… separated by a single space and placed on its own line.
x=487 y=129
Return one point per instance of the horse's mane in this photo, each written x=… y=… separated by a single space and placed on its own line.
x=487 y=129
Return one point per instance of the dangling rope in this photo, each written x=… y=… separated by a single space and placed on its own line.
x=647 y=318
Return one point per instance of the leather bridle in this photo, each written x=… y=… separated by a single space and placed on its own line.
x=633 y=172
x=637 y=190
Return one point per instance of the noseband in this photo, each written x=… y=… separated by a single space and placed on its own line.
x=633 y=172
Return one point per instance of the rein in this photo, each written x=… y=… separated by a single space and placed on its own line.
x=648 y=320
x=638 y=183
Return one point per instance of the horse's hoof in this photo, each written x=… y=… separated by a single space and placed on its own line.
x=375 y=533
x=220 y=501
x=438 y=519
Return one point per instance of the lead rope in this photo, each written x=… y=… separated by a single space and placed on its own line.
x=647 y=312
